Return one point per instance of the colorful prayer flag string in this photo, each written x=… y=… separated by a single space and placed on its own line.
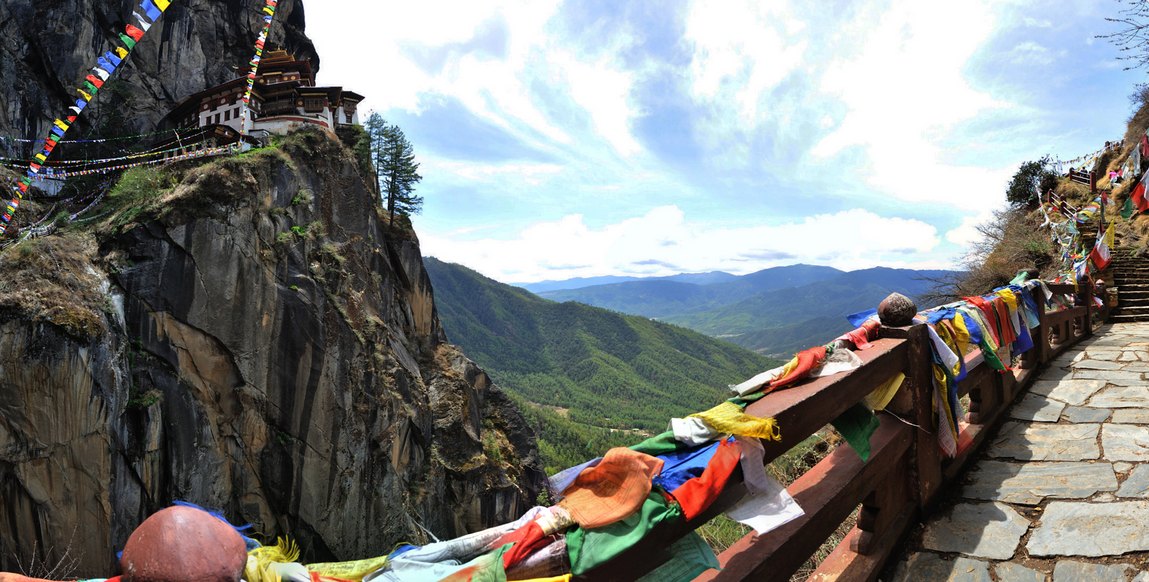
x=104 y=69
x=268 y=17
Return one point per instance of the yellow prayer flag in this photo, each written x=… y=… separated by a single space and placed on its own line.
x=354 y=570
x=882 y=395
x=729 y=418
x=62 y=125
x=1009 y=297
x=161 y=4
x=122 y=52
x=1109 y=242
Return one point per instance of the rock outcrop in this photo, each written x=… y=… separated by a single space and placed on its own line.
x=47 y=48
x=248 y=335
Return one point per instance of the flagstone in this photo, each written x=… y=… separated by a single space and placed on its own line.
x=1074 y=392
x=1121 y=397
x=1010 y=572
x=1128 y=357
x=1030 y=483
x=1037 y=407
x=1102 y=354
x=1055 y=374
x=984 y=530
x=1136 y=484
x=1071 y=571
x=930 y=566
x=1046 y=442
x=1131 y=416
x=1085 y=414
x=1125 y=442
x=1078 y=528
x=1118 y=377
x=1096 y=365
x=1141 y=367
x=1122 y=466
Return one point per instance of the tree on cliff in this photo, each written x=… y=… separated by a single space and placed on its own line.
x=397 y=172
x=1030 y=178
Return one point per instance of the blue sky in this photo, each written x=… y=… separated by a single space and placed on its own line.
x=574 y=139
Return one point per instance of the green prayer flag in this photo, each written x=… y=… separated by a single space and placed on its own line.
x=128 y=41
x=691 y=557
x=659 y=445
x=591 y=548
x=1127 y=208
x=857 y=425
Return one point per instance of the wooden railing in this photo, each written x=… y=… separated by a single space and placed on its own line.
x=904 y=474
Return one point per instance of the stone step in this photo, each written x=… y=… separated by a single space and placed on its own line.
x=1133 y=294
x=1128 y=309
x=1121 y=318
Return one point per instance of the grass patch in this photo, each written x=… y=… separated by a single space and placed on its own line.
x=53 y=279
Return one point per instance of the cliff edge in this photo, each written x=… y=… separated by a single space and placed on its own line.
x=247 y=334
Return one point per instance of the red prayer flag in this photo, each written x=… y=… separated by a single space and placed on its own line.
x=135 y=33
x=696 y=495
x=808 y=359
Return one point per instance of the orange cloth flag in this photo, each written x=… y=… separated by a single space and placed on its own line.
x=611 y=490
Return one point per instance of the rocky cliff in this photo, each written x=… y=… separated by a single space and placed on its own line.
x=48 y=46
x=250 y=335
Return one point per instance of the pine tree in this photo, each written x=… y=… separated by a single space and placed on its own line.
x=398 y=172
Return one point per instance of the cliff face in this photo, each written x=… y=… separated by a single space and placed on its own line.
x=48 y=46
x=248 y=335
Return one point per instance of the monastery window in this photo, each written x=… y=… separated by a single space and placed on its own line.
x=313 y=105
x=227 y=115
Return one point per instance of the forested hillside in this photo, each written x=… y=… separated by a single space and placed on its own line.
x=582 y=364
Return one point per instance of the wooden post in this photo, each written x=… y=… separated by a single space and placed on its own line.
x=926 y=470
x=1087 y=325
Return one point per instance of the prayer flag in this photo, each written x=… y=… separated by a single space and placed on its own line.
x=150 y=9
x=128 y=41
x=857 y=425
x=143 y=21
x=1100 y=253
x=134 y=32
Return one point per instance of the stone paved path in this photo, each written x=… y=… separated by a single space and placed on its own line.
x=1062 y=491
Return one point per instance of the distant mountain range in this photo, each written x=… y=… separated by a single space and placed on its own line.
x=581 y=282
x=774 y=311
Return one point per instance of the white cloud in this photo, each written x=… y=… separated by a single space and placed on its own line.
x=1031 y=53
x=966 y=233
x=663 y=241
x=905 y=92
x=533 y=174
x=742 y=51
x=532 y=87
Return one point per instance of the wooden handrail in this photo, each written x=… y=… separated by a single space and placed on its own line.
x=903 y=476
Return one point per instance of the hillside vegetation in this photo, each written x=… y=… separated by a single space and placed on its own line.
x=589 y=377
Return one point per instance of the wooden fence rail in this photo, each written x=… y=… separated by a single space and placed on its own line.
x=899 y=483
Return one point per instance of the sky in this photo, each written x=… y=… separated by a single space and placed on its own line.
x=647 y=138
